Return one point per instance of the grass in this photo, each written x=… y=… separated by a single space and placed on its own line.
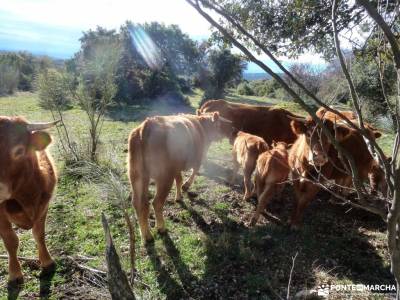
x=208 y=252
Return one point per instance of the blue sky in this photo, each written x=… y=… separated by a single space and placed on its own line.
x=53 y=27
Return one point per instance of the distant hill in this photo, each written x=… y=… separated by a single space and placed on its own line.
x=256 y=76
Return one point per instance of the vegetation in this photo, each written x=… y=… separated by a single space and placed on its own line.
x=222 y=69
x=113 y=83
x=208 y=252
x=18 y=71
x=237 y=27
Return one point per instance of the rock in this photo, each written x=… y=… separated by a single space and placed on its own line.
x=307 y=295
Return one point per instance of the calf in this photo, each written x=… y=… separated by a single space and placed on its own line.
x=27 y=182
x=271 y=173
x=312 y=156
x=245 y=151
x=375 y=172
x=160 y=149
x=323 y=113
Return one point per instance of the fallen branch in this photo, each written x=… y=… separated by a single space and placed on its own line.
x=290 y=276
x=132 y=241
x=21 y=258
x=118 y=283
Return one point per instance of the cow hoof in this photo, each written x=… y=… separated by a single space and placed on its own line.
x=179 y=200
x=148 y=240
x=15 y=283
x=48 y=271
x=185 y=187
x=246 y=199
x=162 y=231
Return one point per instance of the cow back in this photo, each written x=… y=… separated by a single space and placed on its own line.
x=272 y=124
x=172 y=143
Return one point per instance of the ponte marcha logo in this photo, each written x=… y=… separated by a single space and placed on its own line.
x=323 y=290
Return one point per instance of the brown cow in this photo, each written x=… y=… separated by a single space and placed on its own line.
x=312 y=155
x=27 y=182
x=160 y=149
x=245 y=151
x=376 y=174
x=271 y=173
x=323 y=113
x=272 y=124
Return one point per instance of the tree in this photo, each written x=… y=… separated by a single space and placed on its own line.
x=236 y=31
x=19 y=70
x=220 y=67
x=96 y=88
x=153 y=58
x=291 y=28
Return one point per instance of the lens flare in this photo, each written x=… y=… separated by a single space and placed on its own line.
x=146 y=48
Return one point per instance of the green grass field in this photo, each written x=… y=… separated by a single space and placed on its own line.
x=208 y=252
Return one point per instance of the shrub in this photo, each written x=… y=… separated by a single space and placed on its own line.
x=266 y=88
x=9 y=77
x=244 y=89
x=53 y=91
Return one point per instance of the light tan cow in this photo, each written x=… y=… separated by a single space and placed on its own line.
x=245 y=151
x=160 y=149
x=271 y=173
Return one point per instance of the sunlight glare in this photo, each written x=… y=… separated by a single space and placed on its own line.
x=146 y=48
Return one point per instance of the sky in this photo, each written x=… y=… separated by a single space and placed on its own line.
x=53 y=27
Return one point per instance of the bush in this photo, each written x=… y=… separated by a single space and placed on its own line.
x=244 y=89
x=9 y=77
x=53 y=90
x=266 y=88
x=159 y=82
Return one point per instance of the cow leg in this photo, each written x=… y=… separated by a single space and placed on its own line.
x=141 y=204
x=11 y=243
x=190 y=180
x=163 y=188
x=247 y=172
x=38 y=231
x=263 y=201
x=305 y=193
x=344 y=183
x=178 y=182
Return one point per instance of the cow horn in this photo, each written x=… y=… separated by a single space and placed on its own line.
x=41 y=126
x=300 y=119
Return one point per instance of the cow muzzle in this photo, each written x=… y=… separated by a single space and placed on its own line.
x=5 y=193
x=317 y=159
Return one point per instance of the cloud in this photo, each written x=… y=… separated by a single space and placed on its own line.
x=83 y=15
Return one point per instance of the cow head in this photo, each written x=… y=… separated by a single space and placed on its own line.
x=317 y=143
x=216 y=126
x=18 y=142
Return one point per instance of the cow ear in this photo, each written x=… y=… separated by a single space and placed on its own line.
x=40 y=140
x=215 y=116
x=298 y=127
x=321 y=112
x=342 y=132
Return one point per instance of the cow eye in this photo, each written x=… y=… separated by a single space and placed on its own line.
x=18 y=152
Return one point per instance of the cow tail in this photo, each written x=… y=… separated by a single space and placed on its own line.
x=138 y=172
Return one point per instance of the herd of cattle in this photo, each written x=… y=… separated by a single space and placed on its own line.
x=273 y=142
